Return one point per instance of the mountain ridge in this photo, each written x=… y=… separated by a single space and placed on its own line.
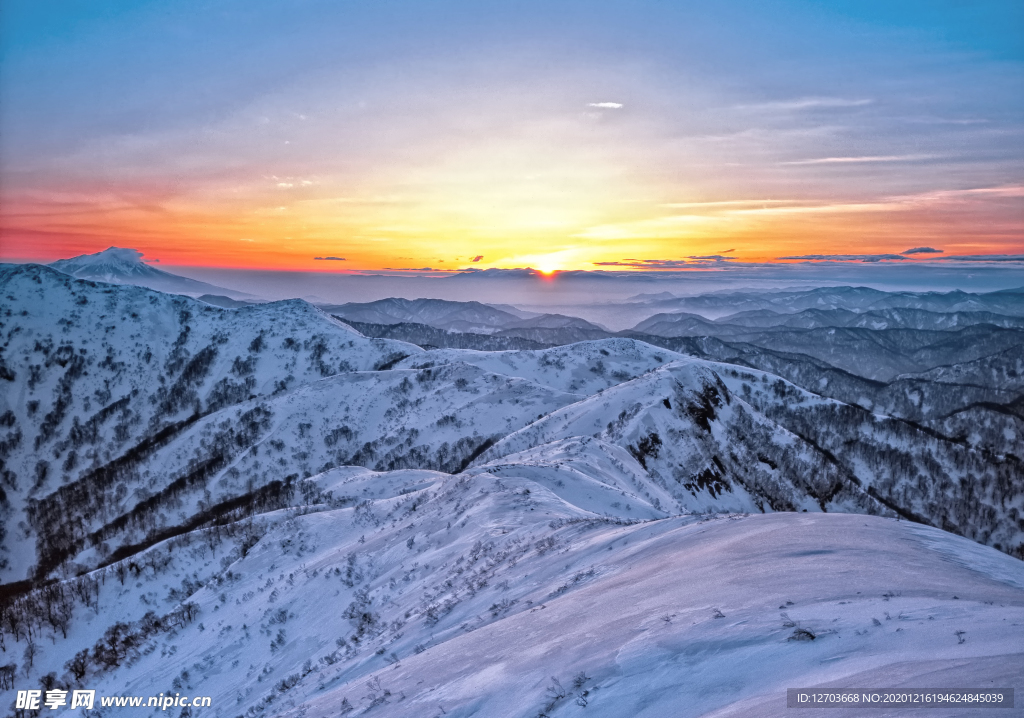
x=266 y=506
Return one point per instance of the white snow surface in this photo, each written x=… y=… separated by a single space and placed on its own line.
x=594 y=545
x=476 y=593
x=98 y=367
x=584 y=368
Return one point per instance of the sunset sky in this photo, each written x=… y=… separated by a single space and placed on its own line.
x=556 y=134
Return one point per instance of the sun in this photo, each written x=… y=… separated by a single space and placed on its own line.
x=547 y=264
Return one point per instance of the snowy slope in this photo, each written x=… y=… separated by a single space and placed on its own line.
x=439 y=595
x=263 y=506
x=1004 y=370
x=589 y=473
x=584 y=368
x=392 y=419
x=706 y=448
x=93 y=371
x=721 y=437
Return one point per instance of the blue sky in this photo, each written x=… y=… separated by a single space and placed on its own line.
x=523 y=132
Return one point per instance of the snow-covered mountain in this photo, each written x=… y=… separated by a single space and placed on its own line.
x=118 y=265
x=224 y=302
x=555 y=329
x=430 y=337
x=470 y=318
x=438 y=313
x=100 y=375
x=882 y=355
x=962 y=383
x=860 y=299
x=264 y=506
x=684 y=324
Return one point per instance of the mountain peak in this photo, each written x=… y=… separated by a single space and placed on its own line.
x=114 y=264
x=124 y=265
x=120 y=254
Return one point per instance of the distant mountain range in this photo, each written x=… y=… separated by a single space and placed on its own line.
x=878 y=345
x=439 y=313
x=684 y=324
x=860 y=299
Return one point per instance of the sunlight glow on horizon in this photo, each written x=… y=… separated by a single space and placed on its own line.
x=558 y=151
x=957 y=222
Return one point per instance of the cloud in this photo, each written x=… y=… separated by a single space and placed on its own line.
x=846 y=257
x=477 y=258
x=688 y=263
x=983 y=258
x=494 y=272
x=727 y=251
x=1011 y=191
x=606 y=105
x=729 y=203
x=922 y=250
x=409 y=269
x=886 y=205
x=807 y=103
x=647 y=263
x=336 y=259
x=867 y=158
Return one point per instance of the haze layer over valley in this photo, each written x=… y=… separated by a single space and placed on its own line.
x=435 y=507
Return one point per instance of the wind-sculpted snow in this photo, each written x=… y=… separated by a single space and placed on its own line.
x=413 y=593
